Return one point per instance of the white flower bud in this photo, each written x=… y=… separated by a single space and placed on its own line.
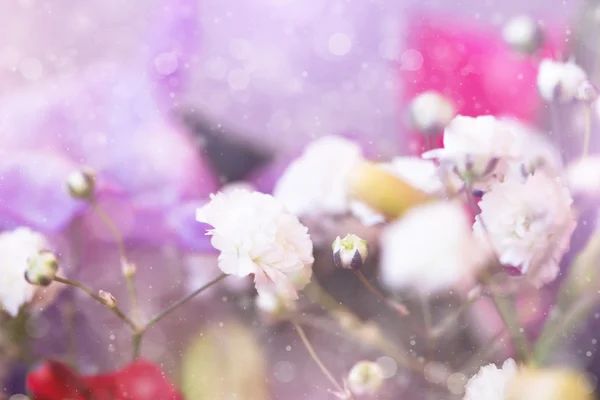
x=366 y=377
x=107 y=299
x=82 y=183
x=41 y=268
x=587 y=92
x=523 y=34
x=350 y=252
x=430 y=112
x=559 y=81
x=129 y=269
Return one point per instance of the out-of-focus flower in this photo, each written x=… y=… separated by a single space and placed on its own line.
x=478 y=148
x=528 y=224
x=491 y=382
x=587 y=92
x=407 y=259
x=430 y=112
x=42 y=268
x=365 y=377
x=273 y=306
x=140 y=380
x=523 y=34
x=350 y=252
x=81 y=184
x=548 y=384
x=536 y=152
x=473 y=67
x=584 y=176
x=558 y=81
x=257 y=235
x=16 y=249
x=317 y=181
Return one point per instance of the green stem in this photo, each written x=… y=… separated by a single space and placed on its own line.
x=93 y=295
x=399 y=308
x=139 y=334
x=316 y=359
x=114 y=230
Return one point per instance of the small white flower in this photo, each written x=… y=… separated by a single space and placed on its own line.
x=529 y=224
x=430 y=112
x=523 y=34
x=584 y=176
x=431 y=248
x=257 y=235
x=477 y=148
x=559 y=81
x=537 y=152
x=490 y=383
x=16 y=248
x=365 y=377
x=317 y=181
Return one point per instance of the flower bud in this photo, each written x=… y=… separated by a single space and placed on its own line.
x=129 y=269
x=41 y=268
x=587 y=92
x=349 y=252
x=430 y=112
x=523 y=34
x=366 y=377
x=107 y=299
x=82 y=183
x=548 y=384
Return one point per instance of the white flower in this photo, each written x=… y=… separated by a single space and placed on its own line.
x=16 y=248
x=317 y=181
x=476 y=147
x=430 y=112
x=523 y=34
x=257 y=235
x=537 y=152
x=350 y=252
x=490 y=383
x=431 y=248
x=365 y=377
x=584 y=176
x=529 y=224
x=559 y=81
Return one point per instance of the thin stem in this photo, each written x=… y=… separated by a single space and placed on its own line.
x=93 y=295
x=484 y=353
x=588 y=130
x=139 y=333
x=181 y=302
x=316 y=358
x=506 y=313
x=441 y=328
x=505 y=310
x=398 y=307
x=428 y=321
x=114 y=230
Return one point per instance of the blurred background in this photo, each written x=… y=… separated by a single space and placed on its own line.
x=168 y=100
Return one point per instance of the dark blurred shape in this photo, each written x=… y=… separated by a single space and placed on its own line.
x=231 y=156
x=14 y=382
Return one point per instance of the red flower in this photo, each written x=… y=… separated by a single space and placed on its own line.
x=140 y=380
x=471 y=66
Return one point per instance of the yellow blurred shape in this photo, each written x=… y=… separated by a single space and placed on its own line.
x=549 y=384
x=224 y=361
x=382 y=191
